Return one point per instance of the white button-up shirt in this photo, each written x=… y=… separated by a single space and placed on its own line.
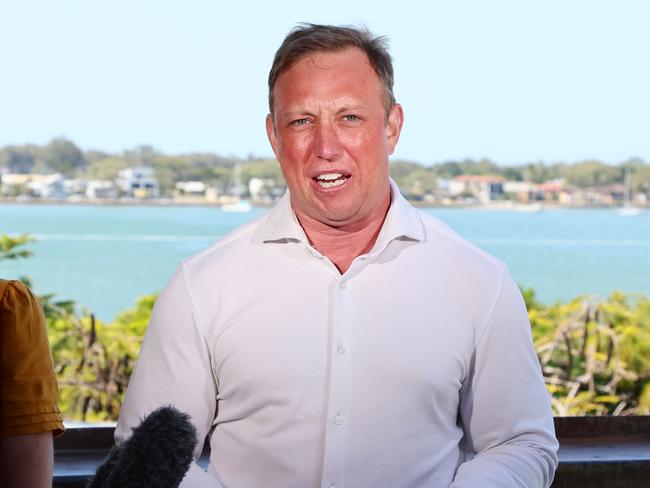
x=415 y=368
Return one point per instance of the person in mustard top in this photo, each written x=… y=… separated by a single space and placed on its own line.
x=29 y=411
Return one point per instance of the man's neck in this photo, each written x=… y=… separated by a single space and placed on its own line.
x=342 y=244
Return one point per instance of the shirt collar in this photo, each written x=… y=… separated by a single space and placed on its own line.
x=402 y=221
x=281 y=224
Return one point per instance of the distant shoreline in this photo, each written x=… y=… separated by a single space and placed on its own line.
x=162 y=202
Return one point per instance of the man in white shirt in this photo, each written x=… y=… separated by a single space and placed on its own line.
x=346 y=339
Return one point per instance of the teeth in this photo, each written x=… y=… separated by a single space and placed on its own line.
x=330 y=184
x=329 y=176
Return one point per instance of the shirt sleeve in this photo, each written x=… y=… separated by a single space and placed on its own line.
x=505 y=407
x=173 y=368
x=29 y=394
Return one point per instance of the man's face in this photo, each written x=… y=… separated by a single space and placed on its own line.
x=330 y=133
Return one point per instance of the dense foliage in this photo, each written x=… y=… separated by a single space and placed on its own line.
x=594 y=353
x=93 y=360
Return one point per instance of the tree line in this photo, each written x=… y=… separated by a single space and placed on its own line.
x=62 y=156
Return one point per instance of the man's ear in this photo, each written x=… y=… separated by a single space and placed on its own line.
x=270 y=133
x=394 y=126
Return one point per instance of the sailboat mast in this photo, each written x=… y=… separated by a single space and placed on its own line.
x=626 y=194
x=236 y=180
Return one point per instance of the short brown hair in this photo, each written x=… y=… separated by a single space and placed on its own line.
x=306 y=39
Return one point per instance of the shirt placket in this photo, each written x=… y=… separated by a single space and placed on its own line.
x=338 y=425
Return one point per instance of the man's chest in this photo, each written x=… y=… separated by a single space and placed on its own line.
x=357 y=337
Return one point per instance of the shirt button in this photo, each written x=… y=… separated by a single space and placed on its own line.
x=338 y=420
x=332 y=485
x=344 y=285
x=341 y=349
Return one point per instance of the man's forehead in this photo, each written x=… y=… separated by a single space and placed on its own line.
x=329 y=60
x=328 y=82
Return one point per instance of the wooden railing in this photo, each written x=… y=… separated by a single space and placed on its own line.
x=598 y=452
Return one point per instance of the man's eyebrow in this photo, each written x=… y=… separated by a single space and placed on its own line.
x=298 y=112
x=350 y=108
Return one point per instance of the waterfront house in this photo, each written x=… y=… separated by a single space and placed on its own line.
x=190 y=189
x=611 y=194
x=264 y=190
x=14 y=184
x=194 y=192
x=522 y=191
x=74 y=189
x=138 y=182
x=51 y=186
x=555 y=190
x=483 y=188
x=46 y=186
x=100 y=189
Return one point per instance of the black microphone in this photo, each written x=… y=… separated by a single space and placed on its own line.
x=157 y=455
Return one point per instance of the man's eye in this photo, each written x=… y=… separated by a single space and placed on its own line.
x=299 y=122
x=351 y=118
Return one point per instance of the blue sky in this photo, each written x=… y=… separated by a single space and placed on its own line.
x=513 y=81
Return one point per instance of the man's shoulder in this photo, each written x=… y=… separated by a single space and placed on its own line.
x=440 y=241
x=472 y=278
x=442 y=238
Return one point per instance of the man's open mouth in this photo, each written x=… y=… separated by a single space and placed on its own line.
x=330 y=180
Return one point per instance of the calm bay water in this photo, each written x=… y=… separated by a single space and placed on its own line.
x=106 y=257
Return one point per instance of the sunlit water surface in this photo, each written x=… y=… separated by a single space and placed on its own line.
x=104 y=257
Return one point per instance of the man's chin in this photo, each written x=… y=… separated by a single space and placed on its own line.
x=339 y=217
x=330 y=216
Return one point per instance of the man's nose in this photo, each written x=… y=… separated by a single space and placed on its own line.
x=327 y=144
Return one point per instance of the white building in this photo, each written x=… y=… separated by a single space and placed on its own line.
x=14 y=184
x=98 y=189
x=483 y=188
x=191 y=188
x=74 y=188
x=523 y=191
x=46 y=186
x=138 y=182
x=264 y=190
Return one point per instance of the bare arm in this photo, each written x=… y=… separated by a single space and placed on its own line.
x=27 y=460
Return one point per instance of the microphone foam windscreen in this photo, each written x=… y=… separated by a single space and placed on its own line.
x=157 y=455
